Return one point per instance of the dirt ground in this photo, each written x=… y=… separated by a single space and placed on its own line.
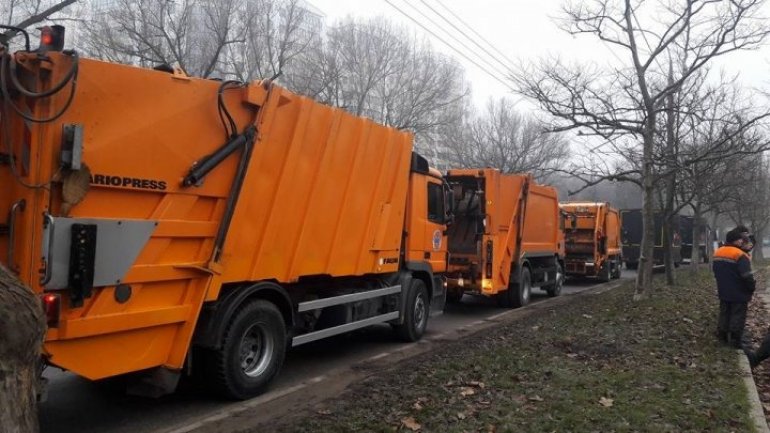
x=601 y=363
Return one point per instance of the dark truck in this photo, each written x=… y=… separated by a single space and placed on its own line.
x=686 y=224
x=631 y=233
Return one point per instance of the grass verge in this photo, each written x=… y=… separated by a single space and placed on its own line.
x=602 y=363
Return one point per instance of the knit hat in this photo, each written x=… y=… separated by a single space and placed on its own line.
x=733 y=235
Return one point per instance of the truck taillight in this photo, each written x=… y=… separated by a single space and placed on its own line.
x=52 y=309
x=489 y=260
x=51 y=38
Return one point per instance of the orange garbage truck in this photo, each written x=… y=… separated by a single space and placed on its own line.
x=592 y=240
x=174 y=224
x=506 y=237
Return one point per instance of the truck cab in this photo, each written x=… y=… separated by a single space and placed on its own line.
x=429 y=213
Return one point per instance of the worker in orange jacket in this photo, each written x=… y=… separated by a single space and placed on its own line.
x=735 y=285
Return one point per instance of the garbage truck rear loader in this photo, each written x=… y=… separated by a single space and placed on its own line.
x=506 y=238
x=171 y=223
x=592 y=233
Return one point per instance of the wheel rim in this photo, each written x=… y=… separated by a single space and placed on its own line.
x=559 y=279
x=525 y=289
x=420 y=312
x=256 y=350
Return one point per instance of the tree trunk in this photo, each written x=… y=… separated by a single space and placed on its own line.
x=644 y=275
x=695 y=257
x=668 y=254
x=718 y=238
x=670 y=193
x=22 y=327
x=758 y=255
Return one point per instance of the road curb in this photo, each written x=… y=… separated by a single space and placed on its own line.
x=756 y=412
x=335 y=381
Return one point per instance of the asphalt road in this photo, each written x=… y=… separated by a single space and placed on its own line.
x=79 y=406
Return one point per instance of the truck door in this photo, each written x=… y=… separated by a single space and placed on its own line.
x=426 y=222
x=435 y=225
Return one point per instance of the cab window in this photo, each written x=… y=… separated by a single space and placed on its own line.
x=435 y=203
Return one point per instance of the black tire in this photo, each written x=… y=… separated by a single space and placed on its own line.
x=605 y=272
x=618 y=271
x=518 y=294
x=554 y=289
x=251 y=355
x=416 y=313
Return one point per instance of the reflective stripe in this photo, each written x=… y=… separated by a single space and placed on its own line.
x=724 y=259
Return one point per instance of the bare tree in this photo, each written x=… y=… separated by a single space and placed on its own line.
x=191 y=34
x=277 y=34
x=504 y=139
x=749 y=202
x=621 y=105
x=24 y=13
x=372 y=68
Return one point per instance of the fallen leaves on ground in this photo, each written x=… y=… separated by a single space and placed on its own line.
x=411 y=424
x=669 y=373
x=757 y=325
x=606 y=402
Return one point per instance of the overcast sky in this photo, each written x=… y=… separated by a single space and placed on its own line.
x=521 y=30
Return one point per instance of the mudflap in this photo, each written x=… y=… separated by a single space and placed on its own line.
x=154 y=383
x=438 y=302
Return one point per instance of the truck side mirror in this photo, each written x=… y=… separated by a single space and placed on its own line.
x=449 y=205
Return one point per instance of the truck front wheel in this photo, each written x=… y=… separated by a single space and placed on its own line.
x=416 y=313
x=251 y=353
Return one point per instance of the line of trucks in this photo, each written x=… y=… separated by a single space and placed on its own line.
x=174 y=225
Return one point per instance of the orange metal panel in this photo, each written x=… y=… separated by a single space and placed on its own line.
x=116 y=322
x=325 y=194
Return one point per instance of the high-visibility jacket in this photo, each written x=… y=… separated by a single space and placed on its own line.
x=732 y=270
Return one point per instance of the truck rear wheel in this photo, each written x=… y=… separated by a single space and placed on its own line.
x=617 y=272
x=518 y=294
x=555 y=289
x=251 y=353
x=605 y=272
x=416 y=313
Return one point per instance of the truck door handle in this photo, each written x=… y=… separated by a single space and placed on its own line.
x=15 y=209
x=48 y=265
